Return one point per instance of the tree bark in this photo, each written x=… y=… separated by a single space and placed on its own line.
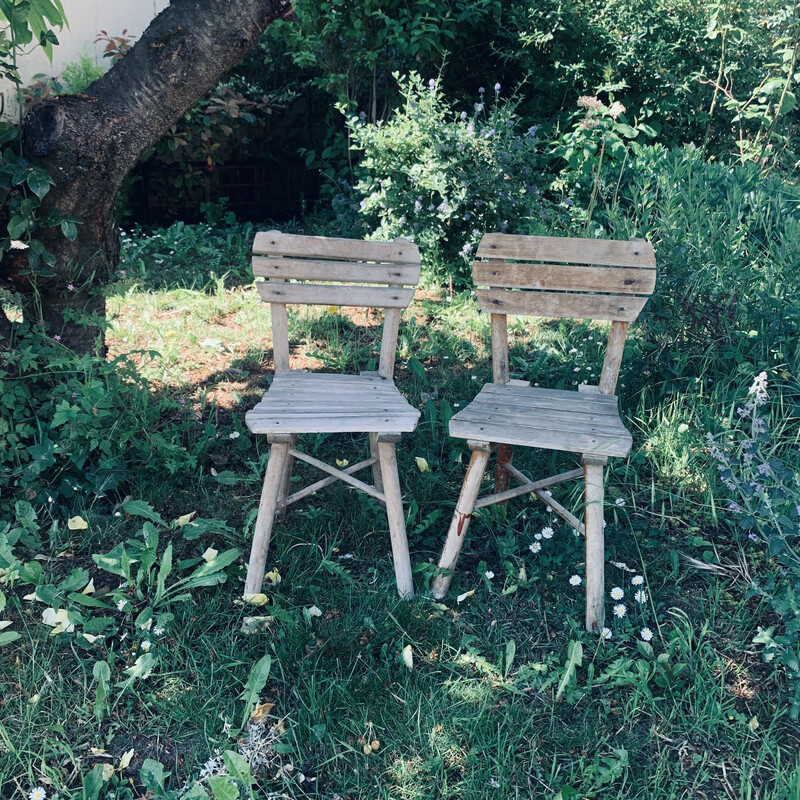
x=89 y=142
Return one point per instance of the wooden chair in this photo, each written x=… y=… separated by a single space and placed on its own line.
x=336 y=272
x=550 y=277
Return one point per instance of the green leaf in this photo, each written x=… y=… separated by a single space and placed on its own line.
x=223 y=788
x=226 y=478
x=574 y=660
x=237 y=768
x=256 y=681
x=102 y=674
x=69 y=229
x=39 y=182
x=139 y=508
x=153 y=777
x=6 y=637
x=92 y=783
x=196 y=792
x=163 y=572
x=17 y=226
x=511 y=650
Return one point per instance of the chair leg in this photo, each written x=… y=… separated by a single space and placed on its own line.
x=377 y=476
x=286 y=478
x=396 y=517
x=595 y=559
x=273 y=483
x=460 y=520
x=502 y=478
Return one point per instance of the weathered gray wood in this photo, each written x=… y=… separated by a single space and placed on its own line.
x=270 y=243
x=396 y=519
x=562 y=422
x=613 y=359
x=562 y=512
x=377 y=478
x=280 y=337
x=332 y=295
x=338 y=473
x=460 y=521
x=335 y=271
x=391 y=329
x=321 y=484
x=527 y=486
x=633 y=253
x=561 y=305
x=595 y=560
x=266 y=516
x=286 y=478
x=560 y=277
x=499 y=348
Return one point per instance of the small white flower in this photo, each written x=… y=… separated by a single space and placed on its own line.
x=121 y=604
x=494 y=783
x=158 y=631
x=606 y=633
x=234 y=435
x=547 y=532
x=146 y=645
x=620 y=610
x=314 y=611
x=646 y=634
x=640 y=596
x=147 y=674
x=575 y=580
x=619 y=502
x=617 y=593
x=37 y=793
x=637 y=580
x=489 y=574
x=537 y=536
x=535 y=547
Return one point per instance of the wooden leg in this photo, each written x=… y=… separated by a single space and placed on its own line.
x=285 y=480
x=377 y=477
x=397 y=520
x=502 y=478
x=273 y=482
x=595 y=559
x=461 y=518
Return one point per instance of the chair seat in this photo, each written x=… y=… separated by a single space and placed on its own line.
x=552 y=419
x=313 y=402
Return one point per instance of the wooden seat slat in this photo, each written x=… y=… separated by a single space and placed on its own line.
x=273 y=243
x=560 y=277
x=341 y=271
x=631 y=253
x=622 y=308
x=323 y=295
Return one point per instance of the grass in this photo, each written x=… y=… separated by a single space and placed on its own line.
x=491 y=707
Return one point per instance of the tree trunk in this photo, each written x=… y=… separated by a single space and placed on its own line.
x=89 y=142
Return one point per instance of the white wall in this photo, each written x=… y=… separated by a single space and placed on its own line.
x=86 y=18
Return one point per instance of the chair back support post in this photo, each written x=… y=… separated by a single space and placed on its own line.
x=499 y=348
x=280 y=336
x=391 y=330
x=613 y=359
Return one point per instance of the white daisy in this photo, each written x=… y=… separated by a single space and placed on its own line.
x=158 y=631
x=646 y=634
x=637 y=580
x=535 y=547
x=547 y=532
x=619 y=502
x=121 y=604
x=575 y=580
x=146 y=645
x=620 y=610
x=37 y=793
x=640 y=596
x=617 y=593
x=606 y=633
x=234 y=435
x=489 y=574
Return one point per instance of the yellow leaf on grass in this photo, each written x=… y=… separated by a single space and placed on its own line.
x=462 y=597
x=98 y=752
x=422 y=464
x=108 y=771
x=4 y=623
x=408 y=656
x=77 y=524
x=89 y=587
x=261 y=712
x=126 y=759
x=256 y=599
x=273 y=576
x=342 y=462
x=210 y=554
x=185 y=519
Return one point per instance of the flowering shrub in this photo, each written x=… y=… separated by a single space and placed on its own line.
x=765 y=497
x=444 y=177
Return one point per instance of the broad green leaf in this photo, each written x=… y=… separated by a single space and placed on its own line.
x=153 y=777
x=69 y=229
x=92 y=783
x=223 y=788
x=237 y=767
x=39 y=182
x=511 y=651
x=139 y=508
x=102 y=674
x=7 y=637
x=574 y=660
x=163 y=572
x=256 y=681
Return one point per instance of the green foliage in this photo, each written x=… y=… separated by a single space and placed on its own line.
x=765 y=500
x=442 y=177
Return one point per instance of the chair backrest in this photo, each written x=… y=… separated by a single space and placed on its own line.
x=549 y=276
x=335 y=272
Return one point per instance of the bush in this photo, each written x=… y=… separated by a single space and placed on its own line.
x=443 y=178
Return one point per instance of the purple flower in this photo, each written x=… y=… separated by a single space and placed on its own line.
x=71 y=287
x=57 y=338
x=481 y=90
x=532 y=130
x=432 y=85
x=753 y=537
x=497 y=88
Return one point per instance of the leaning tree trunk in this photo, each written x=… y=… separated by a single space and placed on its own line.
x=89 y=143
